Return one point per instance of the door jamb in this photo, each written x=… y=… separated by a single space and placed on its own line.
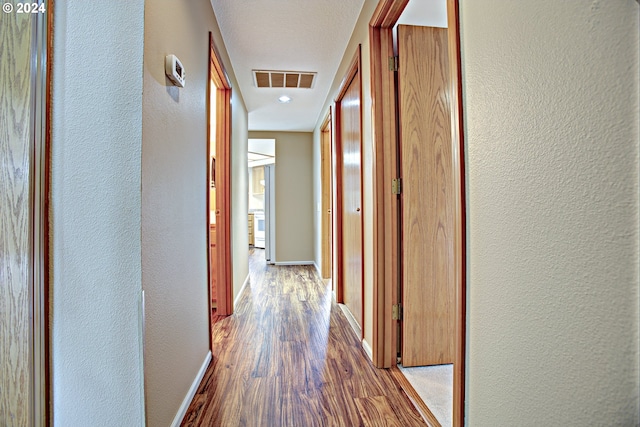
x=385 y=216
x=327 y=234
x=355 y=69
x=41 y=244
x=222 y=86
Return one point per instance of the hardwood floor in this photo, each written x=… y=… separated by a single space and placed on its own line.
x=288 y=357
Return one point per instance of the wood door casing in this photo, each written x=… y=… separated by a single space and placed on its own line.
x=327 y=238
x=219 y=135
x=350 y=136
x=386 y=272
x=386 y=244
x=428 y=221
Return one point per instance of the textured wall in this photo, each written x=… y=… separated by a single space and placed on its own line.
x=551 y=116
x=360 y=36
x=95 y=214
x=239 y=186
x=294 y=194
x=174 y=188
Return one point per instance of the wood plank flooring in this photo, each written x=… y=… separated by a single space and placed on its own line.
x=288 y=357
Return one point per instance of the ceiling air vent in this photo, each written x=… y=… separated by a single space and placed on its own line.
x=288 y=79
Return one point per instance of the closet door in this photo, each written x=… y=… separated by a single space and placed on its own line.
x=23 y=221
x=349 y=177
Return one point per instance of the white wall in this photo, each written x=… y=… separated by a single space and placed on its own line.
x=174 y=188
x=239 y=186
x=294 y=195
x=551 y=117
x=95 y=214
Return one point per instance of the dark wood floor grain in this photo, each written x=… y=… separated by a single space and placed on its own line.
x=288 y=357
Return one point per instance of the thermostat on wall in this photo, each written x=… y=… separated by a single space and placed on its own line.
x=174 y=70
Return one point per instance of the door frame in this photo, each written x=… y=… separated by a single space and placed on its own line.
x=41 y=223
x=327 y=192
x=386 y=248
x=353 y=70
x=221 y=84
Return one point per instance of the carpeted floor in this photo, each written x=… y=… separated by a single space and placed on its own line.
x=434 y=384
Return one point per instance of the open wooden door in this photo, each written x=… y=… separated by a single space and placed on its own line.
x=349 y=154
x=387 y=248
x=428 y=214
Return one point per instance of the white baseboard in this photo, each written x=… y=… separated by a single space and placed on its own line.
x=317 y=268
x=367 y=349
x=244 y=285
x=192 y=392
x=295 y=263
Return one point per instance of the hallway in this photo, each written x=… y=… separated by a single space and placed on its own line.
x=288 y=357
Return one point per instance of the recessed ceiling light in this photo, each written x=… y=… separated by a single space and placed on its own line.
x=284 y=99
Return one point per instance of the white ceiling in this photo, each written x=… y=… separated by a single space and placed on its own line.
x=265 y=147
x=285 y=35
x=297 y=35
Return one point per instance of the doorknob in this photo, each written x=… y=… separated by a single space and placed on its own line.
x=217 y=211
x=328 y=211
x=357 y=209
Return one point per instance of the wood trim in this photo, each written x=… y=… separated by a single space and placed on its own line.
x=224 y=281
x=325 y=127
x=355 y=69
x=460 y=249
x=385 y=168
x=219 y=74
x=359 y=73
x=386 y=242
x=223 y=203
x=387 y=13
x=386 y=238
x=46 y=244
x=338 y=165
x=326 y=193
x=208 y=191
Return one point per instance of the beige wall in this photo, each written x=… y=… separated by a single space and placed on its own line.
x=174 y=187
x=360 y=36
x=294 y=195
x=239 y=187
x=551 y=118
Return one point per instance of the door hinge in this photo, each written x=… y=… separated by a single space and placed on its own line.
x=396 y=312
x=396 y=186
x=393 y=63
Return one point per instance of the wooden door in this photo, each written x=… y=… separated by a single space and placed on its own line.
x=15 y=182
x=24 y=184
x=327 y=238
x=351 y=195
x=428 y=282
